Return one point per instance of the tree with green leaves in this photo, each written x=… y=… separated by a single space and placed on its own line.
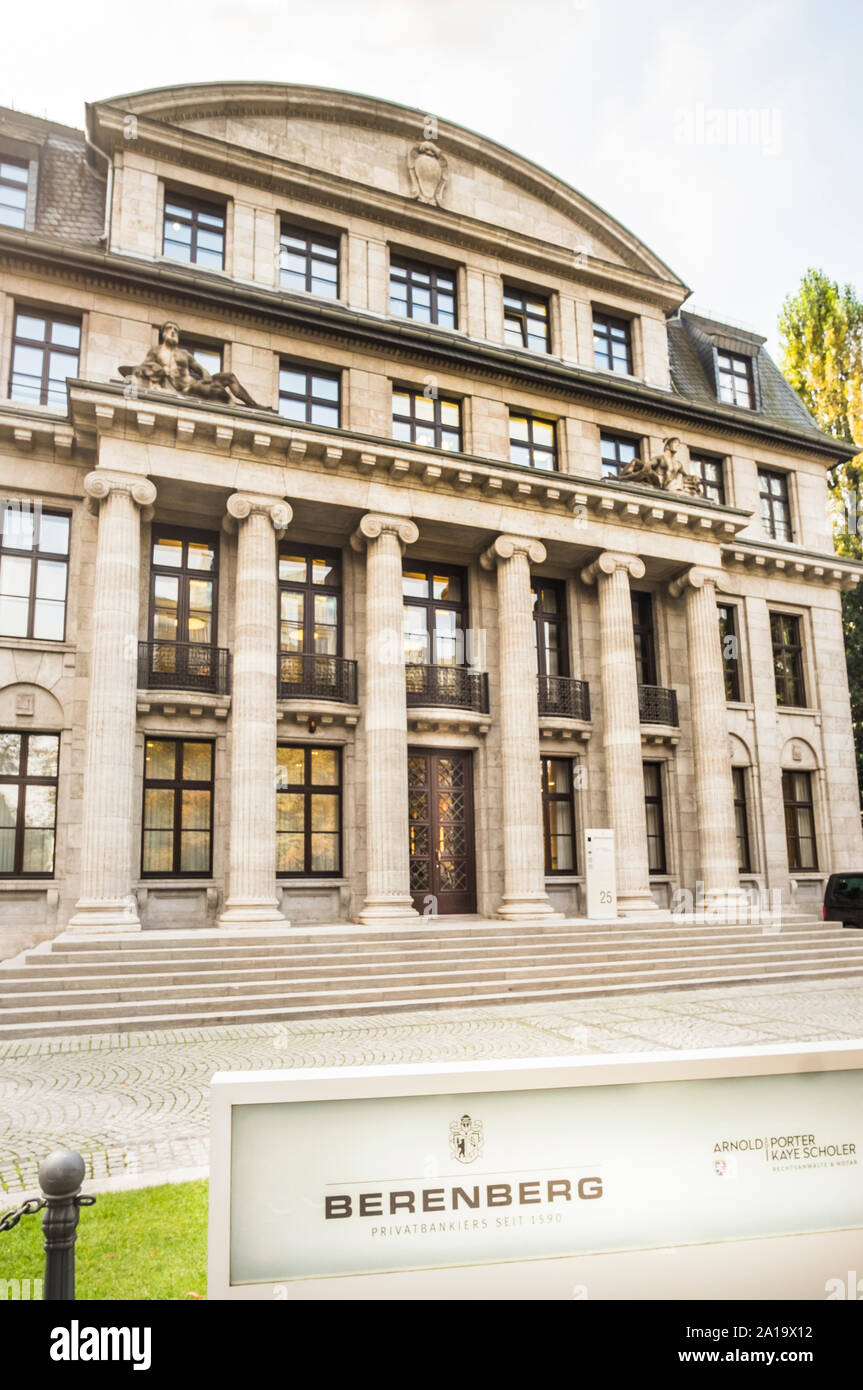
x=822 y=357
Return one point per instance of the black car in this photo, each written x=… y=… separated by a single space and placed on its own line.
x=843 y=899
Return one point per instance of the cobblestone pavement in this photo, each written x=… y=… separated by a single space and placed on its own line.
x=134 y=1103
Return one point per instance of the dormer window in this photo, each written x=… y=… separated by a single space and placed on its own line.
x=14 y=178
x=736 y=384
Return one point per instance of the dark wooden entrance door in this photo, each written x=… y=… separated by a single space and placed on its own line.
x=440 y=815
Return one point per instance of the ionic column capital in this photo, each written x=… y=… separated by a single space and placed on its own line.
x=102 y=482
x=694 y=578
x=609 y=562
x=504 y=547
x=376 y=524
x=241 y=505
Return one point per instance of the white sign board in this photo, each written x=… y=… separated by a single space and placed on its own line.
x=534 y=1178
x=599 y=880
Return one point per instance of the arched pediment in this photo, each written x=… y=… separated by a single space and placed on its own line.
x=798 y=755
x=741 y=755
x=365 y=141
x=27 y=706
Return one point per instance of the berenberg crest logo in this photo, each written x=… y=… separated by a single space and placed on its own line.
x=465 y=1139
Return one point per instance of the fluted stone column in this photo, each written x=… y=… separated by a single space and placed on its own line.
x=621 y=729
x=388 y=894
x=714 y=791
x=252 y=899
x=524 y=895
x=107 y=860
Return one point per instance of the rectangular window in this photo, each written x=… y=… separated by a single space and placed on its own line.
x=617 y=451
x=558 y=816
x=208 y=355
x=655 y=817
x=526 y=320
x=34 y=563
x=788 y=659
x=612 y=343
x=184 y=572
x=422 y=292
x=549 y=627
x=194 y=231
x=741 y=818
x=434 y=421
x=308 y=811
x=310 y=614
x=799 y=820
x=775 y=506
x=532 y=442
x=28 y=804
x=310 y=396
x=14 y=177
x=435 y=614
x=736 y=384
x=730 y=649
x=645 y=646
x=309 y=262
x=177 y=835
x=45 y=349
x=712 y=473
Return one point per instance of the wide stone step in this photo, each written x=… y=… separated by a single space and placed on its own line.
x=33 y=981
x=282 y=1012
x=242 y=997
x=213 y=950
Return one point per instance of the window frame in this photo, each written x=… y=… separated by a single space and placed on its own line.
x=741 y=819
x=644 y=632
x=185 y=574
x=604 y=326
x=22 y=781
x=775 y=502
x=309 y=589
x=46 y=347
x=309 y=399
x=412 y=267
x=793 y=682
x=730 y=665
x=657 y=799
x=433 y=605
x=616 y=440
x=704 y=463
x=307 y=790
x=523 y=317
x=34 y=554
x=792 y=835
x=177 y=785
x=549 y=799
x=330 y=241
x=18 y=162
x=531 y=418
x=196 y=206
x=194 y=345
x=543 y=618
x=726 y=375
x=414 y=422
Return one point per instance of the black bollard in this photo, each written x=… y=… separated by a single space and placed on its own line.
x=60 y=1178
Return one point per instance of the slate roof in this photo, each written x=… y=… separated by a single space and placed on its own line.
x=691 y=340
x=70 y=191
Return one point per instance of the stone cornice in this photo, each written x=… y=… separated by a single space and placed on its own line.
x=170 y=285
x=792 y=563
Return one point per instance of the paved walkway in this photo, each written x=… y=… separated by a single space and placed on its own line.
x=136 y=1103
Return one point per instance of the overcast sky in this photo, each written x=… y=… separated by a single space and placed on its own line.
x=637 y=105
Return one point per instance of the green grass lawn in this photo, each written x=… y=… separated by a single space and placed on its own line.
x=150 y=1243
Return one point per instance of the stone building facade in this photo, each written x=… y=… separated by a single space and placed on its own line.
x=388 y=640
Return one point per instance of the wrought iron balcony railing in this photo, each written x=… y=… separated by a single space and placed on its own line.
x=456 y=687
x=184 y=666
x=317 y=677
x=656 y=705
x=563 y=696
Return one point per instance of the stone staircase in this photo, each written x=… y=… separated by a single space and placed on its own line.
x=166 y=979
